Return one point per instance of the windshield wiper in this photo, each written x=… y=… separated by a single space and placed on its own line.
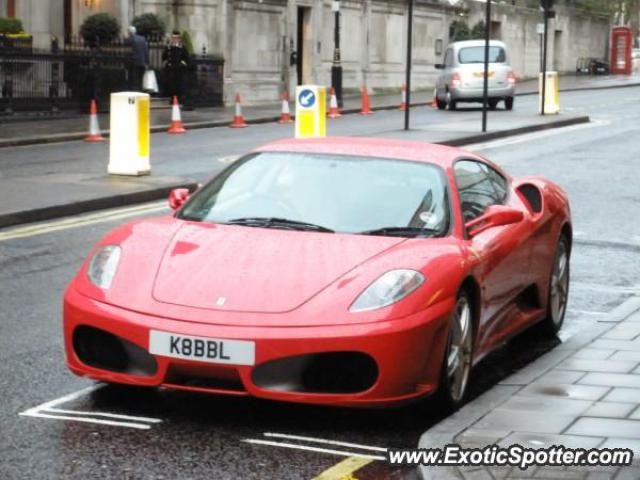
x=401 y=231
x=278 y=223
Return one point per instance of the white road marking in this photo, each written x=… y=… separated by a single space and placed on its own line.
x=105 y=415
x=228 y=158
x=66 y=398
x=341 y=453
x=81 y=221
x=49 y=410
x=140 y=426
x=528 y=137
x=324 y=440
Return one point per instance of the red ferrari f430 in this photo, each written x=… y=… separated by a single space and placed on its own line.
x=342 y=271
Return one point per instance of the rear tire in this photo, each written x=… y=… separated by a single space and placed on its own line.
x=508 y=103
x=451 y=103
x=456 y=363
x=558 y=289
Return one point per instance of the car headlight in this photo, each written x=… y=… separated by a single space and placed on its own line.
x=103 y=265
x=390 y=288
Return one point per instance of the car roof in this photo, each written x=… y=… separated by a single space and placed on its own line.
x=476 y=43
x=371 y=147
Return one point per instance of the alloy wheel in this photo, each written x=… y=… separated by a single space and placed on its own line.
x=459 y=356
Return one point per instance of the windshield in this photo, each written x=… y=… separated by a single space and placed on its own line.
x=327 y=192
x=476 y=55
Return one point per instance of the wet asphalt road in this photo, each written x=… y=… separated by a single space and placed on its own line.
x=202 y=436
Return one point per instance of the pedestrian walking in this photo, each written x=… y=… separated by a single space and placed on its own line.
x=176 y=62
x=140 y=51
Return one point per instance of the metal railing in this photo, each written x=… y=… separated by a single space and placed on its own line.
x=69 y=77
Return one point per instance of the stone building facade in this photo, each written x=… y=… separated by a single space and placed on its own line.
x=257 y=37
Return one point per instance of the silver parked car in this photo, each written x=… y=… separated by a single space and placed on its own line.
x=462 y=76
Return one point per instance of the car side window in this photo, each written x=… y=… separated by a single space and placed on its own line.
x=476 y=188
x=499 y=183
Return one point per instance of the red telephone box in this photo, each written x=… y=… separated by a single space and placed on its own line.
x=621 y=44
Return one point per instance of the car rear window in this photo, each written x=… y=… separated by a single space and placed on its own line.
x=476 y=55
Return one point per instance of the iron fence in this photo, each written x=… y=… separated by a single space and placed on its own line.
x=68 y=77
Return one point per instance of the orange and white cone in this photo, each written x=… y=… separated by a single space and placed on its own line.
x=94 y=128
x=176 y=120
x=285 y=116
x=366 y=108
x=334 y=112
x=238 y=119
x=434 y=100
x=403 y=101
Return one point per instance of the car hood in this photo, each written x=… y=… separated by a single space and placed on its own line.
x=247 y=269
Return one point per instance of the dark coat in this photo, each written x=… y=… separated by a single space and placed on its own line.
x=140 y=50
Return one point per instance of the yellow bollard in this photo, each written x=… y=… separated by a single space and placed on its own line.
x=552 y=94
x=311 y=111
x=129 y=134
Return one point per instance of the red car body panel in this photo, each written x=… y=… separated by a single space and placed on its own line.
x=290 y=291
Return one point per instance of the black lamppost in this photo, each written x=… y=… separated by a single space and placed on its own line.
x=408 y=67
x=336 y=67
x=485 y=85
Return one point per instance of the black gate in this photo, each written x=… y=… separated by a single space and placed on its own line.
x=67 y=79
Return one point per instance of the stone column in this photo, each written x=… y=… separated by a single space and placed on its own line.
x=36 y=16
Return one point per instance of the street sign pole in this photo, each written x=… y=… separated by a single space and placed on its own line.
x=544 y=62
x=408 y=72
x=485 y=89
x=336 y=67
x=548 y=13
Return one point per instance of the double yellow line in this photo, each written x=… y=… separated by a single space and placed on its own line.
x=81 y=221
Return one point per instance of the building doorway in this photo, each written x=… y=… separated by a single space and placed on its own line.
x=557 y=50
x=304 y=45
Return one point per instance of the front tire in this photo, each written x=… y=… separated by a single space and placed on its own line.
x=558 y=289
x=456 y=364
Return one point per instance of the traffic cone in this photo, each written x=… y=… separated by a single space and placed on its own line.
x=434 y=100
x=403 y=102
x=238 y=119
x=285 y=116
x=366 y=108
x=333 y=105
x=94 y=128
x=176 y=120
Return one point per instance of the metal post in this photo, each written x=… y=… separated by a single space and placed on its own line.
x=544 y=61
x=408 y=71
x=485 y=87
x=336 y=67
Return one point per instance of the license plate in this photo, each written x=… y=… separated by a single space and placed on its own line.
x=202 y=349
x=481 y=74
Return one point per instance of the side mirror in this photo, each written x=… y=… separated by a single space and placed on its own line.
x=494 y=216
x=439 y=66
x=177 y=197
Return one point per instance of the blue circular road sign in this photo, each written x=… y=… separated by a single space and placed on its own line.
x=307 y=98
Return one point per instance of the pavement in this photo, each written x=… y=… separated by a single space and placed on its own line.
x=585 y=393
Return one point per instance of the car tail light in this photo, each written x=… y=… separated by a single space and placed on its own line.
x=511 y=78
x=455 y=80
